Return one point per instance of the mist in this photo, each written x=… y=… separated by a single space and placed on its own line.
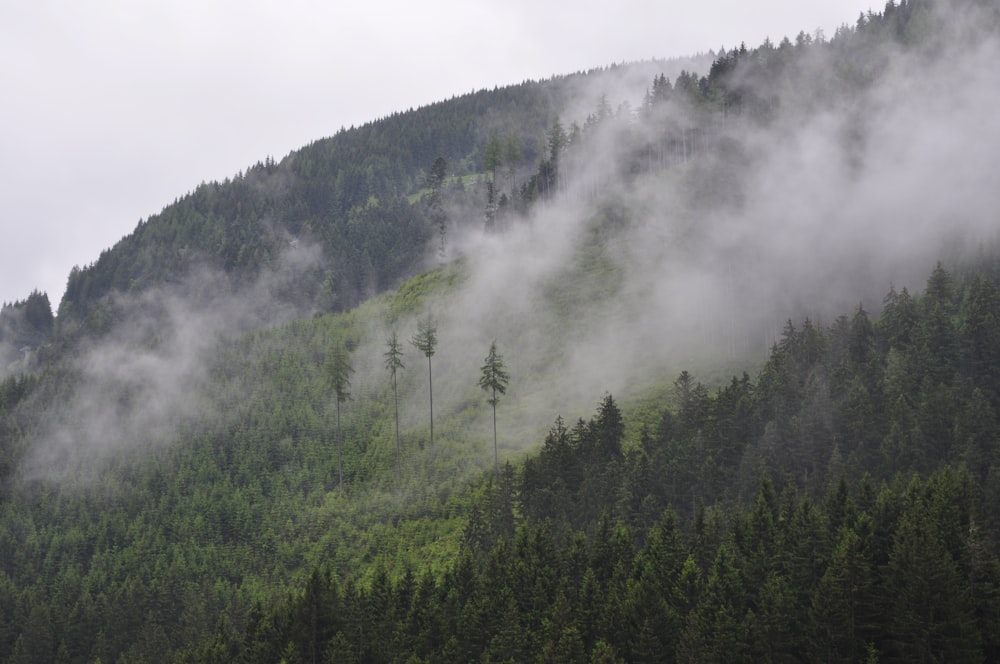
x=625 y=277
x=817 y=213
x=131 y=393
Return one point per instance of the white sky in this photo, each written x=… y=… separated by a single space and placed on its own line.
x=111 y=109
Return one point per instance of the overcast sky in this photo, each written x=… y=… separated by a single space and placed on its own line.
x=112 y=109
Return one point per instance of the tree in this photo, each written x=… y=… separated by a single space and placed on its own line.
x=493 y=155
x=439 y=171
x=394 y=362
x=494 y=381
x=339 y=372
x=425 y=340
x=435 y=180
x=513 y=153
x=843 y=607
x=557 y=142
x=492 y=159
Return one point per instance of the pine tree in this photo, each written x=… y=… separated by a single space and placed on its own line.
x=494 y=381
x=339 y=372
x=843 y=610
x=435 y=180
x=929 y=609
x=393 y=363
x=425 y=340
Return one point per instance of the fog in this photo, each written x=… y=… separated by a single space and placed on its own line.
x=624 y=278
x=133 y=391
x=831 y=206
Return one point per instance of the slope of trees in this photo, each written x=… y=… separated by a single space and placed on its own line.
x=889 y=573
x=775 y=519
x=839 y=505
x=24 y=326
x=347 y=194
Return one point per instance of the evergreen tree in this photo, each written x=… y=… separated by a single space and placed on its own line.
x=927 y=600
x=513 y=153
x=492 y=160
x=425 y=340
x=494 y=381
x=557 y=142
x=843 y=607
x=435 y=180
x=339 y=372
x=393 y=363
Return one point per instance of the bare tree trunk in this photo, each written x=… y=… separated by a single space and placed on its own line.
x=496 y=454
x=399 y=453
x=340 y=451
x=430 y=388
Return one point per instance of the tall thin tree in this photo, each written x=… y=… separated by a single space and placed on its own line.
x=494 y=381
x=513 y=153
x=492 y=160
x=435 y=181
x=339 y=370
x=394 y=362
x=425 y=340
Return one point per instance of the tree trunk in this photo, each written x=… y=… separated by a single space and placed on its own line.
x=340 y=452
x=496 y=455
x=430 y=387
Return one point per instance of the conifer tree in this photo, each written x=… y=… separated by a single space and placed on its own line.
x=393 y=363
x=494 y=381
x=435 y=180
x=425 y=340
x=492 y=159
x=339 y=372
x=513 y=152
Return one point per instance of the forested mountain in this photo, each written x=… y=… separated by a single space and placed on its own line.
x=354 y=198
x=24 y=326
x=315 y=412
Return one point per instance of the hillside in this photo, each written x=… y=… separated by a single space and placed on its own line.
x=776 y=278
x=350 y=204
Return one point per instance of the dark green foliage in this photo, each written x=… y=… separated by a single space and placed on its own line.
x=840 y=505
x=526 y=597
x=346 y=194
x=671 y=546
x=24 y=326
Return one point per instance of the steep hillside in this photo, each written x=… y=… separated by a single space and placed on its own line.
x=226 y=453
x=350 y=205
x=840 y=506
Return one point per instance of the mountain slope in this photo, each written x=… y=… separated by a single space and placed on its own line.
x=172 y=467
x=345 y=198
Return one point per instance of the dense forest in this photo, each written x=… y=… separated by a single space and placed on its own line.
x=316 y=412
x=842 y=506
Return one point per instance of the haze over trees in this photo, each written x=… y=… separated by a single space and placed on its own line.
x=761 y=287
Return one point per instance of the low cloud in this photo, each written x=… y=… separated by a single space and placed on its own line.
x=630 y=273
x=134 y=390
